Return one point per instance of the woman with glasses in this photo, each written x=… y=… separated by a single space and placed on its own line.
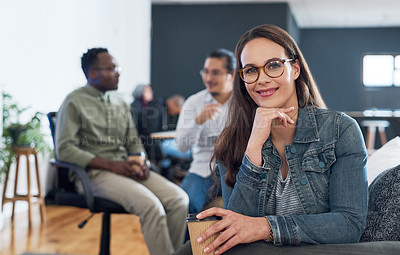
x=292 y=172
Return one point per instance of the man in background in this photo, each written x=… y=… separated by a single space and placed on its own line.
x=95 y=131
x=201 y=121
x=156 y=114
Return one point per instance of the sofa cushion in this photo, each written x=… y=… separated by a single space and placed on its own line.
x=386 y=157
x=383 y=220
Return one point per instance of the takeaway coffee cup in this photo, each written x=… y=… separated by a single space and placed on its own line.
x=196 y=227
x=141 y=159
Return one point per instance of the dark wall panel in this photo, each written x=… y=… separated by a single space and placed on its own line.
x=182 y=36
x=292 y=27
x=334 y=57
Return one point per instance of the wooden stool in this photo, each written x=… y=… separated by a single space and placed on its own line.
x=26 y=151
x=372 y=125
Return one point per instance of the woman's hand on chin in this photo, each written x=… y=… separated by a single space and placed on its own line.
x=263 y=121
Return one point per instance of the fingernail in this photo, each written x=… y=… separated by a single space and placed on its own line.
x=199 y=239
x=216 y=252
x=206 y=250
x=198 y=215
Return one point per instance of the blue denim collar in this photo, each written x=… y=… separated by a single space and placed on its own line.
x=306 y=127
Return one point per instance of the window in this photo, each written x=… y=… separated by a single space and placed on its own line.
x=396 y=73
x=381 y=70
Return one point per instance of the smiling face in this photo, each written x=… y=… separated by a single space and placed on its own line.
x=215 y=76
x=270 y=92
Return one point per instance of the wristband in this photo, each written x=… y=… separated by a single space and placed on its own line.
x=270 y=237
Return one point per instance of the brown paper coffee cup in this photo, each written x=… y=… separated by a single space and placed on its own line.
x=196 y=227
x=138 y=158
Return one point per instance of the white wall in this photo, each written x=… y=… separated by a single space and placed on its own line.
x=41 y=43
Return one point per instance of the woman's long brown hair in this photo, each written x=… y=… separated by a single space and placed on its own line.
x=232 y=142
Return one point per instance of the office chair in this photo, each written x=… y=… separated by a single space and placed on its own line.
x=66 y=194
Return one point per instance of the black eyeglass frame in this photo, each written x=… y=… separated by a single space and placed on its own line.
x=269 y=61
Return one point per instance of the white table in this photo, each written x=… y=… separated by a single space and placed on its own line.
x=163 y=135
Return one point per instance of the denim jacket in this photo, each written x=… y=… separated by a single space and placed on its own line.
x=327 y=163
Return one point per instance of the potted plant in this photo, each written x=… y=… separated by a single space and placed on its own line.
x=17 y=134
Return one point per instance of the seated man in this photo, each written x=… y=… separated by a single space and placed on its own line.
x=95 y=130
x=156 y=114
x=201 y=121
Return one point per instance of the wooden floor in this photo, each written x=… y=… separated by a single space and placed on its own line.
x=60 y=233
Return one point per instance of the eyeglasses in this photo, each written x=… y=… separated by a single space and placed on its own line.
x=116 y=69
x=213 y=72
x=274 y=68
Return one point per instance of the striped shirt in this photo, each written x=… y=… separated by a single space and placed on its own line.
x=284 y=199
